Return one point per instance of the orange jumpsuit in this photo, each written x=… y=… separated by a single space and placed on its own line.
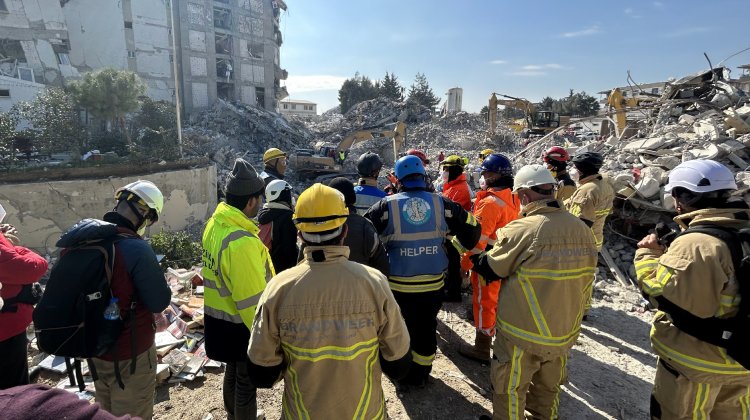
x=493 y=208
x=458 y=191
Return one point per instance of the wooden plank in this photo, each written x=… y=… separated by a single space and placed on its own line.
x=614 y=269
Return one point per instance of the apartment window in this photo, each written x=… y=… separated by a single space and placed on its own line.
x=131 y=54
x=25 y=73
x=294 y=106
x=655 y=91
x=286 y=106
x=128 y=24
x=63 y=58
x=3 y=7
x=260 y=97
x=308 y=108
x=4 y=93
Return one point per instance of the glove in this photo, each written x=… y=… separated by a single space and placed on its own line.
x=482 y=267
x=30 y=293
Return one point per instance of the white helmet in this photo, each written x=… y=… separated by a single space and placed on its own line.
x=146 y=191
x=274 y=189
x=531 y=176
x=701 y=176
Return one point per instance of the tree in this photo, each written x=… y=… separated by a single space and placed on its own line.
x=156 y=126
x=8 y=124
x=53 y=120
x=421 y=93
x=109 y=95
x=356 y=90
x=485 y=113
x=390 y=88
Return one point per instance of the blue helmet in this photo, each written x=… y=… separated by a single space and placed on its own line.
x=497 y=163
x=409 y=165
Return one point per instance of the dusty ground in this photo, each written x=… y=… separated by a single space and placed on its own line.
x=611 y=370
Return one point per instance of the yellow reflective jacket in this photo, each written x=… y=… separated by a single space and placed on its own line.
x=328 y=319
x=695 y=273
x=236 y=268
x=547 y=260
x=592 y=201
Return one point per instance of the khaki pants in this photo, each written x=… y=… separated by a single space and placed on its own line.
x=525 y=381
x=675 y=397
x=137 y=399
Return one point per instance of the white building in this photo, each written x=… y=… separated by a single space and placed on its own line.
x=298 y=107
x=455 y=99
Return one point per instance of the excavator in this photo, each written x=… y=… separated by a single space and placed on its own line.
x=620 y=105
x=535 y=122
x=325 y=157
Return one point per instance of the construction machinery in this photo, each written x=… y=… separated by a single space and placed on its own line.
x=325 y=158
x=619 y=106
x=535 y=122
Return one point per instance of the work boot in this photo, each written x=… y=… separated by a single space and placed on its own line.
x=480 y=351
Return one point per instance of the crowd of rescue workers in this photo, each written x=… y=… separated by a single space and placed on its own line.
x=332 y=287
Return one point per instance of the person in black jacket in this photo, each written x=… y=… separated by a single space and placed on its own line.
x=362 y=239
x=276 y=227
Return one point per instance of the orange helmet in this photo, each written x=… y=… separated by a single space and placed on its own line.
x=420 y=154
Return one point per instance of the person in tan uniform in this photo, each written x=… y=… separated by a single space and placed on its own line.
x=546 y=261
x=329 y=326
x=695 y=273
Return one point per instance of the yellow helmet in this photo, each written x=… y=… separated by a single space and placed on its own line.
x=272 y=154
x=453 y=160
x=320 y=208
x=486 y=152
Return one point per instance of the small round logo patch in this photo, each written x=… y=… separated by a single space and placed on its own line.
x=416 y=211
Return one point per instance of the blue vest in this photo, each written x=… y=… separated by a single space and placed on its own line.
x=367 y=195
x=414 y=239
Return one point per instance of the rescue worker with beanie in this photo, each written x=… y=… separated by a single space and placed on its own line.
x=495 y=207
x=692 y=281
x=274 y=165
x=276 y=227
x=368 y=166
x=556 y=158
x=546 y=260
x=328 y=326
x=413 y=225
x=236 y=268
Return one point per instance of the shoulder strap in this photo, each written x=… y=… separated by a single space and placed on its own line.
x=729 y=236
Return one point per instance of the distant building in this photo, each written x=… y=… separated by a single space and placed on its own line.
x=743 y=82
x=454 y=102
x=644 y=89
x=298 y=107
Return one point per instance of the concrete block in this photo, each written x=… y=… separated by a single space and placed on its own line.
x=197 y=40
x=198 y=66
x=686 y=119
x=200 y=95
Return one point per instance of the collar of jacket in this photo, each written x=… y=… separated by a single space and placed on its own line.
x=232 y=216
x=733 y=218
x=275 y=205
x=590 y=178
x=503 y=193
x=330 y=253
x=541 y=207
x=372 y=182
x=459 y=179
x=270 y=170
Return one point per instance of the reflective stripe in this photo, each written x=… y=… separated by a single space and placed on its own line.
x=745 y=405
x=210 y=284
x=604 y=212
x=420 y=236
x=416 y=288
x=514 y=382
x=470 y=220
x=536 y=338
x=422 y=360
x=654 y=286
x=479 y=302
x=297 y=394
x=695 y=363
x=575 y=210
x=699 y=405
x=533 y=302
x=498 y=200
x=645 y=268
x=457 y=244
x=476 y=251
x=249 y=302
x=330 y=352
x=730 y=301
x=571 y=274
x=556 y=401
x=364 y=399
x=219 y=314
x=237 y=234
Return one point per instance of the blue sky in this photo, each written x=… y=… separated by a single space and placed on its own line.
x=529 y=49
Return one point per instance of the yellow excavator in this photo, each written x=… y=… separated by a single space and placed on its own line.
x=621 y=105
x=535 y=122
x=325 y=158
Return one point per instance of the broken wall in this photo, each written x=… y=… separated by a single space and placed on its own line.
x=41 y=211
x=97 y=34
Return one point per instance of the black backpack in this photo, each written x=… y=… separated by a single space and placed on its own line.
x=732 y=334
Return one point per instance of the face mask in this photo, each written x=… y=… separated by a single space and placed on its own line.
x=482 y=183
x=444 y=176
x=574 y=174
x=294 y=202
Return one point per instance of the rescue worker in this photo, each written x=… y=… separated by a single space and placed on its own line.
x=454 y=186
x=483 y=155
x=368 y=166
x=556 y=158
x=277 y=231
x=495 y=207
x=546 y=260
x=413 y=225
x=329 y=326
x=420 y=154
x=342 y=157
x=476 y=170
x=695 y=273
x=236 y=268
x=274 y=165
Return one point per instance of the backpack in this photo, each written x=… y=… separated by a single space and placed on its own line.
x=732 y=334
x=266 y=234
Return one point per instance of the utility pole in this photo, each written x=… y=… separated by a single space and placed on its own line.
x=177 y=101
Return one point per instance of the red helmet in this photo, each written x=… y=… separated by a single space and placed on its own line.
x=420 y=154
x=556 y=153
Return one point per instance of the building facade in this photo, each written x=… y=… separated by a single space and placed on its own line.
x=298 y=107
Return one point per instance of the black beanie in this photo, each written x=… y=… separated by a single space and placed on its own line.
x=346 y=187
x=244 y=180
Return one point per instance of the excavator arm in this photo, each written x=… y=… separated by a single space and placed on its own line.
x=513 y=102
x=398 y=134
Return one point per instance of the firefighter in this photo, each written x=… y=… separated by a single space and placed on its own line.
x=368 y=166
x=274 y=165
x=329 y=326
x=494 y=208
x=696 y=274
x=413 y=225
x=556 y=158
x=546 y=260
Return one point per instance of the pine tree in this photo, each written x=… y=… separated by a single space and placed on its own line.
x=390 y=88
x=356 y=90
x=421 y=92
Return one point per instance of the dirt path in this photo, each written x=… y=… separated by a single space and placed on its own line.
x=610 y=372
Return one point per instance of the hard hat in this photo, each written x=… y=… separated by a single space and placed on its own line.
x=555 y=154
x=144 y=192
x=272 y=153
x=486 y=152
x=275 y=188
x=420 y=154
x=453 y=160
x=588 y=159
x=409 y=165
x=320 y=208
x=701 y=176
x=497 y=163
x=369 y=163
x=531 y=176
